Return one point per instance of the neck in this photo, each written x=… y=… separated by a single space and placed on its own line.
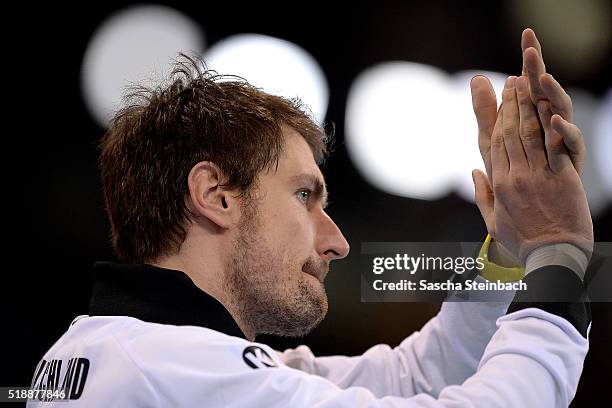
x=202 y=263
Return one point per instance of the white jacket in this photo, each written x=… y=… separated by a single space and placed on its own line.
x=469 y=355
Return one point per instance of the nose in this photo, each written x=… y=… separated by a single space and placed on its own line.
x=331 y=244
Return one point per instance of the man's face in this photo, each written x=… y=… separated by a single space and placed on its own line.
x=284 y=246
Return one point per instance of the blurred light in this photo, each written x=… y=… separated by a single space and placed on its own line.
x=603 y=141
x=576 y=35
x=136 y=43
x=399 y=126
x=277 y=66
x=411 y=131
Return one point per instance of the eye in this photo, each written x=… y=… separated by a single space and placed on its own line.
x=304 y=195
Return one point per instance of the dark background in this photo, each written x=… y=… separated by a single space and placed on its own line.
x=58 y=228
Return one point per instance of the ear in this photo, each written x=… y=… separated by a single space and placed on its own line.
x=209 y=198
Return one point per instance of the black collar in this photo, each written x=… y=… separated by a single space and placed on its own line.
x=156 y=295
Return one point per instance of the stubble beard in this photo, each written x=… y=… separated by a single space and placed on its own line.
x=268 y=297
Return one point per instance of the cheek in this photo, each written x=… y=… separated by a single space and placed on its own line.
x=291 y=222
x=288 y=228
x=301 y=228
x=295 y=237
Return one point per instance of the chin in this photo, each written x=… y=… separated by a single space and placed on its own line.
x=317 y=291
x=303 y=311
x=318 y=304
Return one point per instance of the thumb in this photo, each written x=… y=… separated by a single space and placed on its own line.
x=485 y=199
x=573 y=139
x=556 y=151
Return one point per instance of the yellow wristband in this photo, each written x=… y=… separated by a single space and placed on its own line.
x=493 y=272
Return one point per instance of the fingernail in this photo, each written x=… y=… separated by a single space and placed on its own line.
x=474 y=77
x=510 y=82
x=553 y=79
x=563 y=121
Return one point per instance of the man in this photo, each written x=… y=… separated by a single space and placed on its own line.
x=217 y=208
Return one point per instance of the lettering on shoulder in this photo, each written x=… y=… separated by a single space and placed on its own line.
x=51 y=375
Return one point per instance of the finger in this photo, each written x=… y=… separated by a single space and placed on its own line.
x=561 y=104
x=533 y=62
x=485 y=109
x=534 y=65
x=545 y=114
x=500 y=166
x=531 y=132
x=511 y=123
x=558 y=156
x=485 y=199
x=529 y=39
x=560 y=101
x=573 y=140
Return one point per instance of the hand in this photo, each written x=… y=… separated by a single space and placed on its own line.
x=550 y=99
x=546 y=94
x=533 y=202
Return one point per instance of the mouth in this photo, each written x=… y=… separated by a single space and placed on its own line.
x=318 y=272
x=317 y=277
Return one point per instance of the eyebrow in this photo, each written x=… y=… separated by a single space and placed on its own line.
x=315 y=184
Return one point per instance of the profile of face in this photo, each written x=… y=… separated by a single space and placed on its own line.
x=283 y=247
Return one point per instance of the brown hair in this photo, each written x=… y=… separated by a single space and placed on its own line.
x=152 y=144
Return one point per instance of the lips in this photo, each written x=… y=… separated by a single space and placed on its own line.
x=317 y=269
